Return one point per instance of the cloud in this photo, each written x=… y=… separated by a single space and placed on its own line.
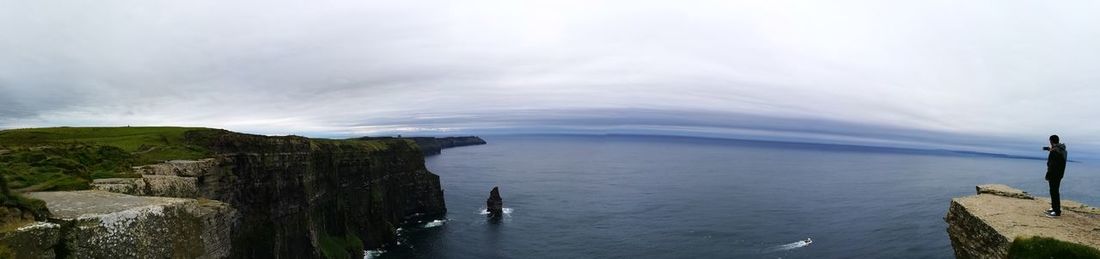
x=925 y=73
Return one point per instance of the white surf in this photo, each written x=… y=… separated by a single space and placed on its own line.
x=507 y=211
x=434 y=223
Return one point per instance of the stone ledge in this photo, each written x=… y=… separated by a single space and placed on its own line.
x=187 y=168
x=151 y=185
x=984 y=225
x=99 y=224
x=1003 y=190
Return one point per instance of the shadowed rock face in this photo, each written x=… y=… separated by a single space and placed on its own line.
x=495 y=205
x=986 y=224
x=292 y=192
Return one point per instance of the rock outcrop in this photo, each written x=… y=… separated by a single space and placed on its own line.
x=151 y=185
x=184 y=168
x=175 y=178
x=986 y=224
x=34 y=239
x=98 y=224
x=495 y=205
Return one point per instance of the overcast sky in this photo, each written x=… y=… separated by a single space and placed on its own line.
x=978 y=75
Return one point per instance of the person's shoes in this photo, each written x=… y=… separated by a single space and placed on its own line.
x=1050 y=210
x=1053 y=214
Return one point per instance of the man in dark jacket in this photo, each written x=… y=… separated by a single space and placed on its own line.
x=1056 y=168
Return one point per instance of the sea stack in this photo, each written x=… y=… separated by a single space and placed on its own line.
x=494 y=204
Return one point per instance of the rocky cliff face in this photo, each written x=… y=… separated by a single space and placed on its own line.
x=302 y=198
x=986 y=224
x=257 y=197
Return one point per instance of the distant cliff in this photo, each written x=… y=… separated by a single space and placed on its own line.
x=1002 y=222
x=253 y=197
x=434 y=146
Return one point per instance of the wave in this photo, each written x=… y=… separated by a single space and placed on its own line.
x=372 y=253
x=789 y=246
x=507 y=211
x=434 y=223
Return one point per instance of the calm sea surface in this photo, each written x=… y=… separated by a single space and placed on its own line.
x=664 y=197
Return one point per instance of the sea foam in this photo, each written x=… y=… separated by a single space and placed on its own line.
x=434 y=223
x=507 y=211
x=372 y=254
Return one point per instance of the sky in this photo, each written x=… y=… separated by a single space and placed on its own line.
x=991 y=76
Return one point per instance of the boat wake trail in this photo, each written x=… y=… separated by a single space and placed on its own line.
x=790 y=246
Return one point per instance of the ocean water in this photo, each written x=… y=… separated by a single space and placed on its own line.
x=668 y=197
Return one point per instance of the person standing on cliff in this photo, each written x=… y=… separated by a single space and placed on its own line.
x=1056 y=168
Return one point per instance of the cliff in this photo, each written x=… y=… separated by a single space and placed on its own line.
x=1000 y=222
x=257 y=196
x=301 y=197
x=434 y=146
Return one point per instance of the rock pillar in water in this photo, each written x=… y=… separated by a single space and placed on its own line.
x=494 y=204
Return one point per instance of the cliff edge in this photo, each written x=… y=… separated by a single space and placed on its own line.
x=166 y=192
x=987 y=225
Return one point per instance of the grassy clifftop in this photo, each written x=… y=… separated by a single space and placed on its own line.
x=1043 y=248
x=144 y=143
x=68 y=158
x=387 y=173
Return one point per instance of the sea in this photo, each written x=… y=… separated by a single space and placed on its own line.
x=610 y=196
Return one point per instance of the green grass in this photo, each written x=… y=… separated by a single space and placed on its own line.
x=1042 y=247
x=59 y=168
x=337 y=247
x=11 y=200
x=147 y=144
x=65 y=158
